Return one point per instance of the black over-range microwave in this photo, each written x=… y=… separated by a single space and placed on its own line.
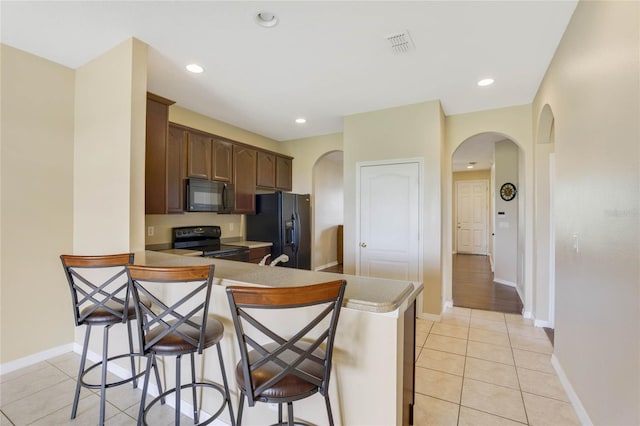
x=208 y=196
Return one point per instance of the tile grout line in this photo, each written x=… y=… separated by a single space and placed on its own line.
x=526 y=415
x=464 y=368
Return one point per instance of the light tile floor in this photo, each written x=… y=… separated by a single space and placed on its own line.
x=479 y=367
x=472 y=368
x=42 y=395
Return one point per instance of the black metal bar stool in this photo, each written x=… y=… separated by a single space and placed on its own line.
x=278 y=369
x=100 y=296
x=177 y=328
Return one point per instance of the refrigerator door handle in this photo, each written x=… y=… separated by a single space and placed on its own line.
x=294 y=240
x=296 y=235
x=290 y=232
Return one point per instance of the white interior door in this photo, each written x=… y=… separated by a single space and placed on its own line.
x=389 y=213
x=471 y=216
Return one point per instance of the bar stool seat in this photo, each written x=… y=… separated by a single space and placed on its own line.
x=291 y=387
x=174 y=344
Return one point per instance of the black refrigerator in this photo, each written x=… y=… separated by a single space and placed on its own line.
x=285 y=220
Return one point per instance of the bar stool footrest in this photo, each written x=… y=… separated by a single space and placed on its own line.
x=215 y=386
x=112 y=384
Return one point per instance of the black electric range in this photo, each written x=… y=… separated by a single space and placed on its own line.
x=207 y=240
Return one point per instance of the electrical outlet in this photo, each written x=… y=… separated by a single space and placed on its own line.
x=151 y=230
x=231 y=226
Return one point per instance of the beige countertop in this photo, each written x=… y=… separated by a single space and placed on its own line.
x=362 y=293
x=182 y=252
x=250 y=244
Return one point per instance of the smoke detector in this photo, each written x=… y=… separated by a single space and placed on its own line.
x=401 y=42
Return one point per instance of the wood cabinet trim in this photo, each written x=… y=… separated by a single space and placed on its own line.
x=160 y=99
x=214 y=136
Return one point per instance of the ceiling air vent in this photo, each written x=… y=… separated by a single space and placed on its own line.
x=400 y=42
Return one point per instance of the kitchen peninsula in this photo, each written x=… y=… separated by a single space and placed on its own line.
x=374 y=346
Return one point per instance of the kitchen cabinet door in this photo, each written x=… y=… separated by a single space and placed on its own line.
x=256 y=254
x=198 y=155
x=176 y=164
x=156 y=146
x=222 y=162
x=266 y=170
x=244 y=177
x=284 y=180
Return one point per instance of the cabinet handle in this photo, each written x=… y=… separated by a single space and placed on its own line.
x=363 y=245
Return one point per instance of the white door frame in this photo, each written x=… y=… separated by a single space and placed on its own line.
x=359 y=166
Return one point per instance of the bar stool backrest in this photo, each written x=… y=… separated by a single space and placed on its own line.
x=183 y=319
x=270 y=345
x=98 y=286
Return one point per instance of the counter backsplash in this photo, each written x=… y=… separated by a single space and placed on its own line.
x=160 y=225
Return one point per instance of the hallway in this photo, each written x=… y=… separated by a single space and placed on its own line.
x=473 y=286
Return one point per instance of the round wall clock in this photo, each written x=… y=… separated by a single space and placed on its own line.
x=508 y=191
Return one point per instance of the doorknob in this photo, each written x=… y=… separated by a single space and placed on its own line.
x=363 y=245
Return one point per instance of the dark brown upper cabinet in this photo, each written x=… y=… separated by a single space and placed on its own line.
x=222 y=161
x=244 y=177
x=266 y=170
x=284 y=169
x=176 y=169
x=164 y=159
x=199 y=155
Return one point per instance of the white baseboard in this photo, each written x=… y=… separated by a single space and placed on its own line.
x=505 y=282
x=583 y=416
x=325 y=266
x=8 y=367
x=542 y=323
x=527 y=314
x=429 y=317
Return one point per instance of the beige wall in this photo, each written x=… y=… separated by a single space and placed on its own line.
x=109 y=126
x=328 y=209
x=505 y=247
x=192 y=119
x=36 y=214
x=306 y=152
x=412 y=131
x=593 y=89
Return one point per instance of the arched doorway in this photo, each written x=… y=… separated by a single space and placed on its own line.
x=483 y=167
x=328 y=209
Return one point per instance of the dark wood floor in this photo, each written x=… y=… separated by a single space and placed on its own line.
x=335 y=268
x=473 y=286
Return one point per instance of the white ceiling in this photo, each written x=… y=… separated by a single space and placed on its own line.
x=324 y=60
x=477 y=149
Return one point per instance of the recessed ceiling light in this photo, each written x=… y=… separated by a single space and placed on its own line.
x=194 y=68
x=266 y=19
x=485 y=82
x=301 y=120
